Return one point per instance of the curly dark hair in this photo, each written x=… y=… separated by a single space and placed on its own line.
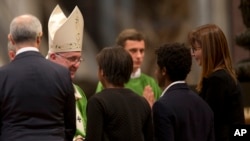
x=176 y=58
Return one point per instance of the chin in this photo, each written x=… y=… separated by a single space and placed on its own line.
x=72 y=76
x=136 y=67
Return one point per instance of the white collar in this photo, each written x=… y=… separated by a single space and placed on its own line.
x=27 y=49
x=77 y=93
x=173 y=83
x=136 y=74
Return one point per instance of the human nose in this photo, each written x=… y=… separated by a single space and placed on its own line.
x=77 y=62
x=192 y=52
x=139 y=54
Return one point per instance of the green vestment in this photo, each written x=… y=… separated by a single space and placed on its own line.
x=138 y=84
x=81 y=118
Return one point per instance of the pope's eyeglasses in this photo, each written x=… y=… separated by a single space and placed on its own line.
x=72 y=59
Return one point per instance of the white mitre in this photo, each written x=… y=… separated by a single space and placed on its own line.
x=65 y=34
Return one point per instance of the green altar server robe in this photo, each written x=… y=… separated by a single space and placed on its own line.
x=138 y=84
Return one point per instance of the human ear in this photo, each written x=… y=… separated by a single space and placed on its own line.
x=10 y=38
x=163 y=71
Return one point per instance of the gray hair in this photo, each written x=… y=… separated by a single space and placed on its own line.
x=25 y=28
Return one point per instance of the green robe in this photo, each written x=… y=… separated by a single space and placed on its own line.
x=81 y=118
x=138 y=84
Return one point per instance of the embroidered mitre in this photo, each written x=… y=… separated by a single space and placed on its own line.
x=65 y=34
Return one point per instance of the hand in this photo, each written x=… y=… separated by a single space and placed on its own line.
x=80 y=139
x=148 y=94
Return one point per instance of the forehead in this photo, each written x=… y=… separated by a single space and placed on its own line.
x=134 y=44
x=72 y=53
x=196 y=44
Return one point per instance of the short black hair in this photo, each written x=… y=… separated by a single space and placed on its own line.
x=116 y=63
x=176 y=58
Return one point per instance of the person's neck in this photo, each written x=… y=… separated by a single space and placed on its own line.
x=23 y=45
x=134 y=70
x=24 y=49
x=166 y=84
x=136 y=73
x=109 y=85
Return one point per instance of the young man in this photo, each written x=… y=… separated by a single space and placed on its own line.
x=36 y=95
x=117 y=113
x=179 y=114
x=144 y=85
x=65 y=48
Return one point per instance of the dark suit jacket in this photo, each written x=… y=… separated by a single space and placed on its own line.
x=36 y=100
x=225 y=99
x=181 y=115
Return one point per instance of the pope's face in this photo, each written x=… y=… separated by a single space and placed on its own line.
x=70 y=60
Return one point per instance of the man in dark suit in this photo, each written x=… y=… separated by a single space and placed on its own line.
x=179 y=114
x=36 y=95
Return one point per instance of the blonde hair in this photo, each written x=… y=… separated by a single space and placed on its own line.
x=215 y=51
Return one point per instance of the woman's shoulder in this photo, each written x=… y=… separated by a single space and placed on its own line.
x=220 y=76
x=221 y=73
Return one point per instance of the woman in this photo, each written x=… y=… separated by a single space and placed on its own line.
x=218 y=84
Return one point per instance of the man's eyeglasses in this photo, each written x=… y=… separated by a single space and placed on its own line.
x=72 y=59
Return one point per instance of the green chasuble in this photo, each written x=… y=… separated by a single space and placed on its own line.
x=138 y=84
x=81 y=118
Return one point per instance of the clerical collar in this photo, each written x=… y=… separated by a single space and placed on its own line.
x=77 y=94
x=136 y=74
x=27 y=49
x=173 y=83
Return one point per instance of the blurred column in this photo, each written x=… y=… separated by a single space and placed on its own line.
x=126 y=9
x=200 y=11
x=106 y=24
x=221 y=16
x=5 y=16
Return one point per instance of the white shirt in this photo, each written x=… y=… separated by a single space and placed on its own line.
x=136 y=74
x=27 y=49
x=173 y=83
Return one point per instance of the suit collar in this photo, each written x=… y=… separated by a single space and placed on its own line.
x=171 y=86
x=27 y=49
x=28 y=53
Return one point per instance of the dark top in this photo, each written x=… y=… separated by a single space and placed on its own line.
x=36 y=100
x=118 y=114
x=181 y=115
x=225 y=98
